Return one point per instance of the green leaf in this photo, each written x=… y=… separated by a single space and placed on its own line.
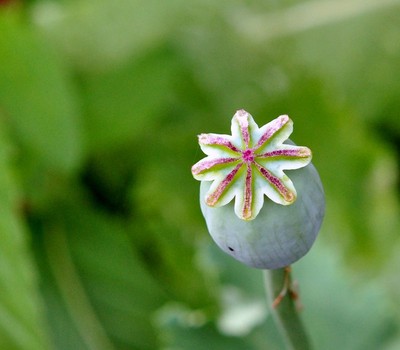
x=21 y=325
x=341 y=310
x=97 y=35
x=104 y=297
x=125 y=102
x=37 y=97
x=172 y=260
x=181 y=336
x=356 y=50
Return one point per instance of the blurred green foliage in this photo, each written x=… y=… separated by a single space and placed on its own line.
x=102 y=244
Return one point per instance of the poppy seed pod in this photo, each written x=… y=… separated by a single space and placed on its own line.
x=267 y=233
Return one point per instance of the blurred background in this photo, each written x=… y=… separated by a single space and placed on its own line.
x=102 y=243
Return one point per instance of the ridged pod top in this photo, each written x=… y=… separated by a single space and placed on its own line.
x=249 y=164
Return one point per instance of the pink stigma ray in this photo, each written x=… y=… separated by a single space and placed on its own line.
x=274 y=127
x=300 y=152
x=208 y=164
x=248 y=194
x=215 y=140
x=243 y=119
x=213 y=198
x=276 y=183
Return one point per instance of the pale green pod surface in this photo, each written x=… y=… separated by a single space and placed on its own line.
x=280 y=235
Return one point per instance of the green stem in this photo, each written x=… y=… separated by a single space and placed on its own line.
x=284 y=312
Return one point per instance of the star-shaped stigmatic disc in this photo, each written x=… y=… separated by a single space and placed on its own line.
x=249 y=164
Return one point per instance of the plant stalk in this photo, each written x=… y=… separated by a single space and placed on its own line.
x=284 y=310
